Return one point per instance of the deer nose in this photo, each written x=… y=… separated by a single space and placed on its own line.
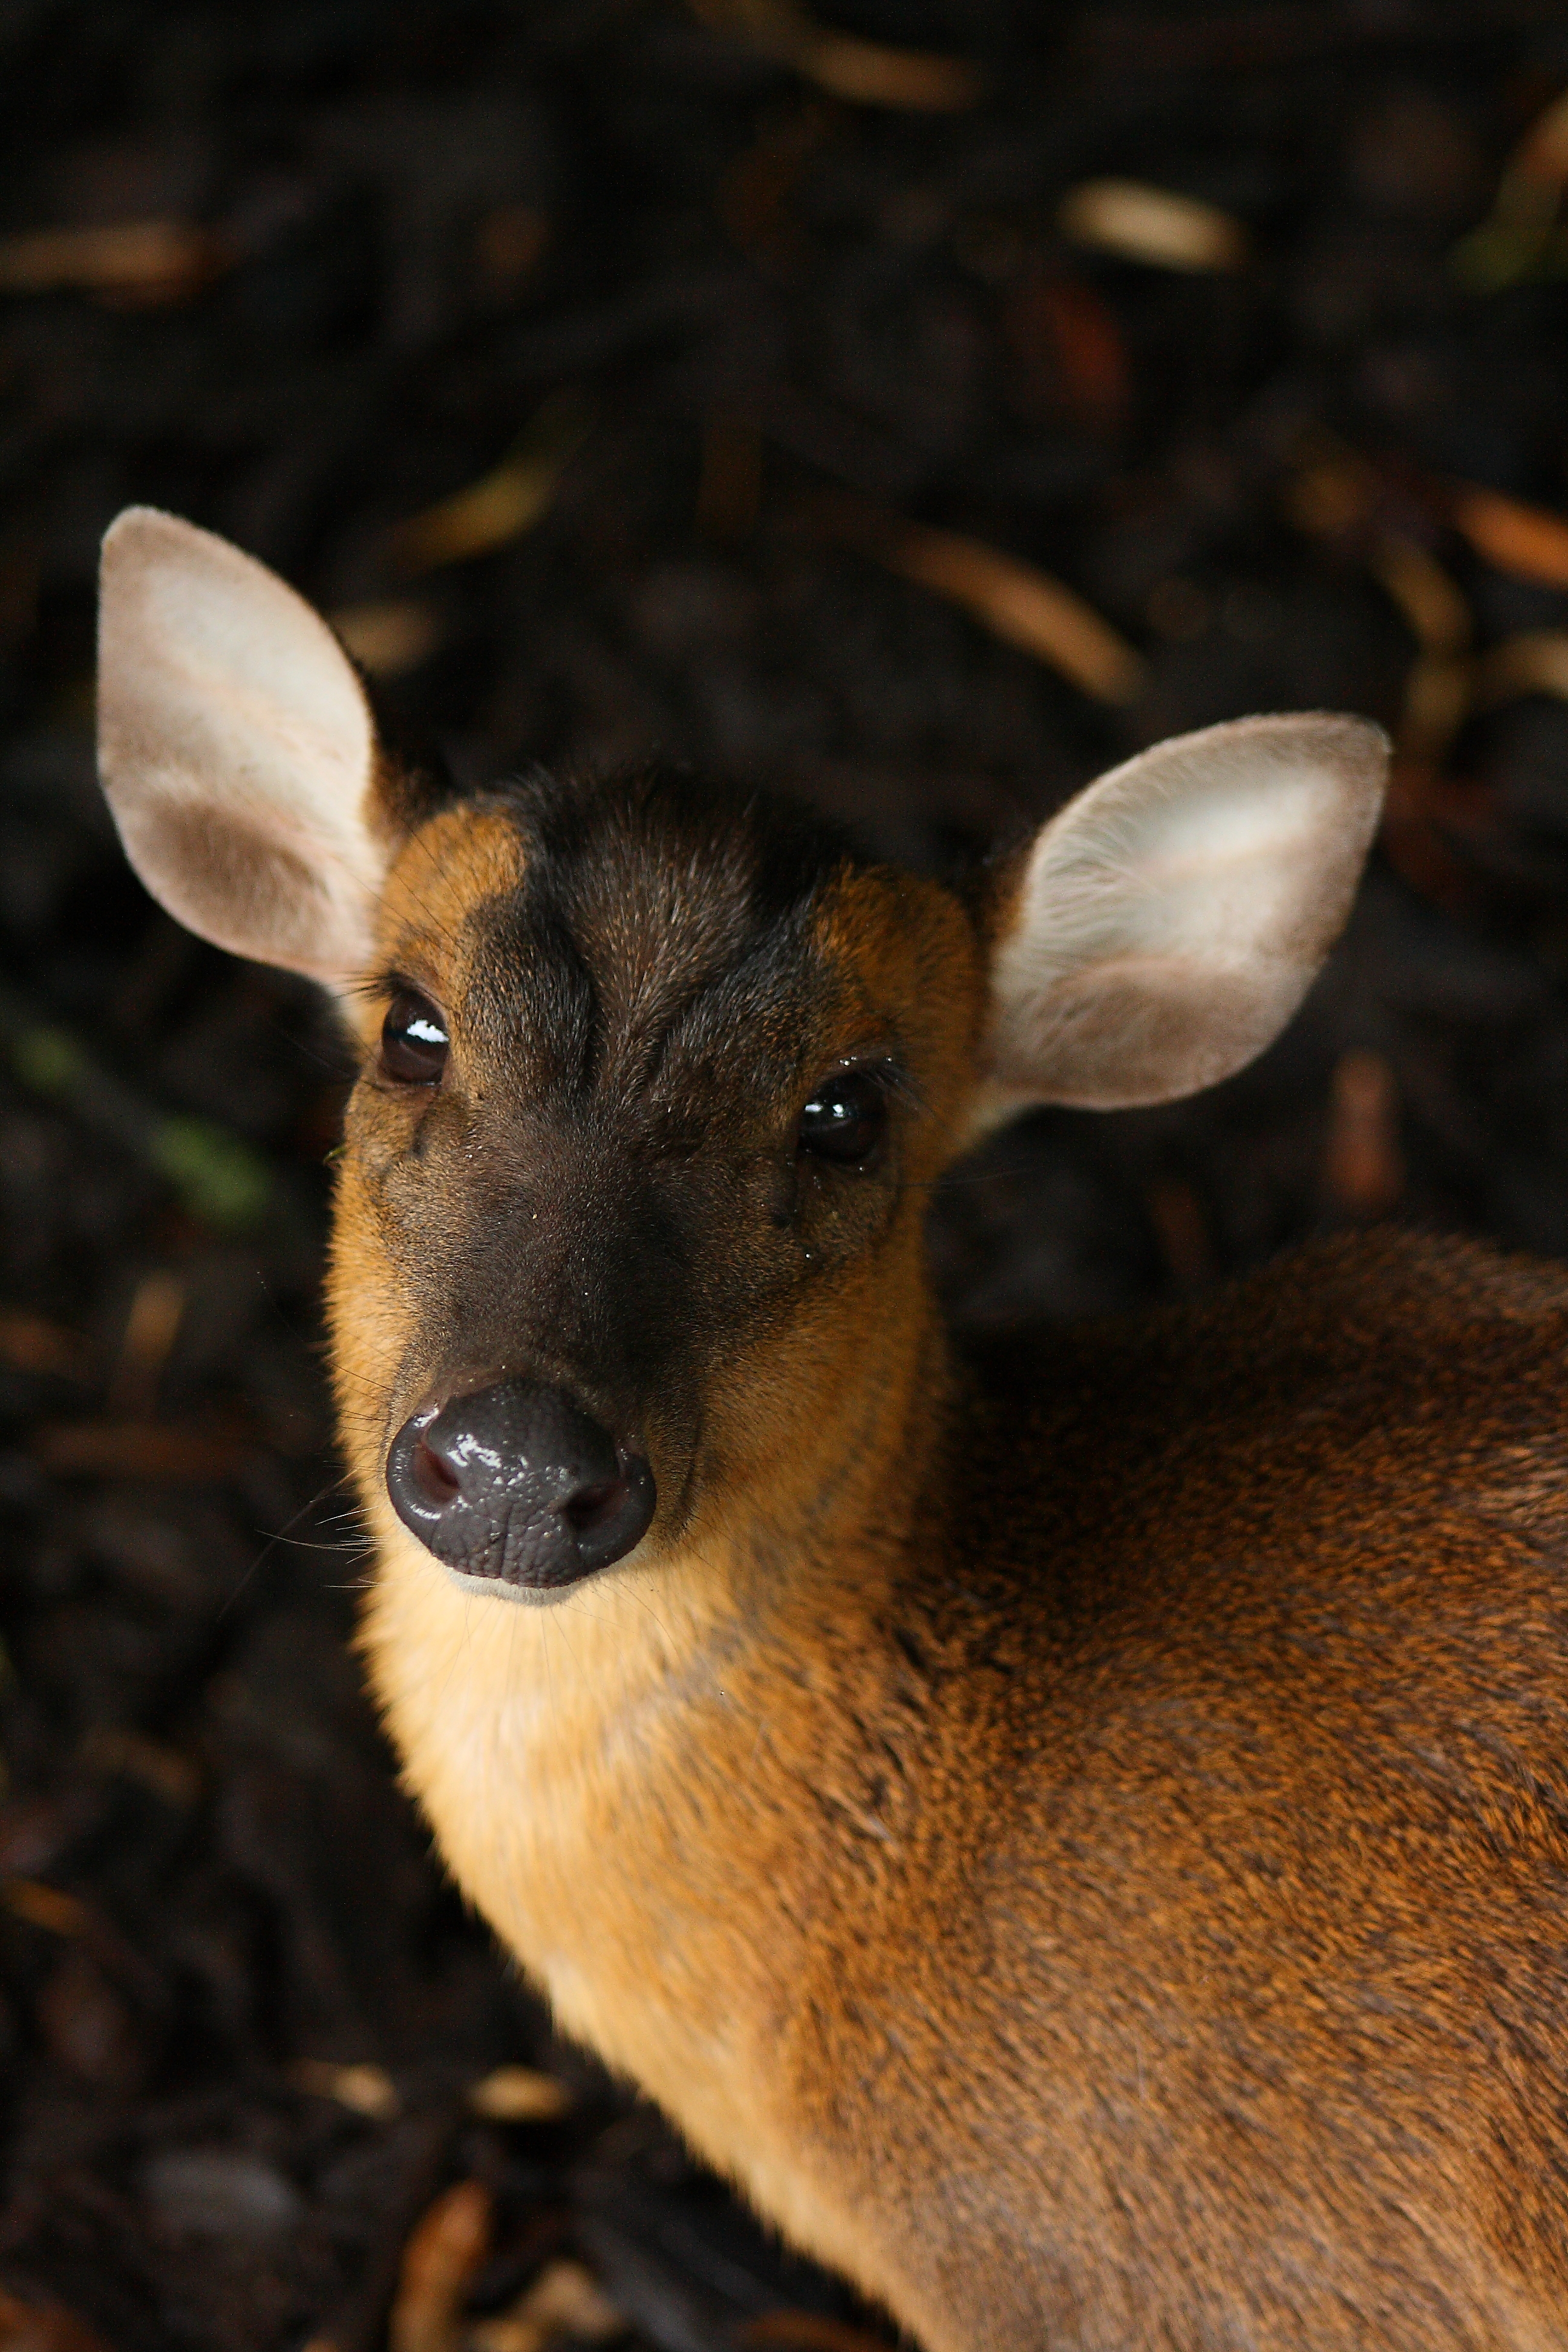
x=516 y=1490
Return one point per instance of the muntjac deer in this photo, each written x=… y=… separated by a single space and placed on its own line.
x=1082 y=1839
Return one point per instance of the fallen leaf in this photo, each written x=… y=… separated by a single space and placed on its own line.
x=445 y=2251
x=1513 y=536
x=390 y=637
x=503 y=503
x=364 y=2090
x=519 y=2095
x=1536 y=662
x=1025 y=606
x=1519 y=237
x=1139 y=223
x=46 y=1907
x=866 y=73
x=157 y=1309
x=565 y=2299
x=157 y=260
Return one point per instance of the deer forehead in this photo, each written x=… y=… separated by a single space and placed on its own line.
x=635 y=950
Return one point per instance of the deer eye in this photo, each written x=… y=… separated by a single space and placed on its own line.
x=413 y=1041
x=845 y=1120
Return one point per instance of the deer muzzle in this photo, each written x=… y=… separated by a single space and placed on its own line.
x=516 y=1490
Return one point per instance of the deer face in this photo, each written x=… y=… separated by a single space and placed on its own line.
x=654 y=1087
x=655 y=1080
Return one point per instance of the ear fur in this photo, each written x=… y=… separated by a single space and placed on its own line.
x=236 y=750
x=1169 y=920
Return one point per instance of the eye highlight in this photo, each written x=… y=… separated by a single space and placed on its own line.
x=845 y=1118
x=414 y=1041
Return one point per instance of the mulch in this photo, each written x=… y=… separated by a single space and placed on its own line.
x=788 y=395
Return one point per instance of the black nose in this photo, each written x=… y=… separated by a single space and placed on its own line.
x=516 y=1483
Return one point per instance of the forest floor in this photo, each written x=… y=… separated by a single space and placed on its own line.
x=731 y=385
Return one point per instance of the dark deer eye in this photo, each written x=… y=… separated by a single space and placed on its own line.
x=844 y=1118
x=413 y=1041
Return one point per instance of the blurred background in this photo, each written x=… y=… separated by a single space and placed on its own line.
x=918 y=405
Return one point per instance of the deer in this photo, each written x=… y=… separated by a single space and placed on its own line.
x=1075 y=1827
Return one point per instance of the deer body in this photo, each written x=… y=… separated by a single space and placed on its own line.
x=1102 y=1944
x=1081 y=1836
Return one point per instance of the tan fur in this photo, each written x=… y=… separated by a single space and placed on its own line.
x=1176 y=1599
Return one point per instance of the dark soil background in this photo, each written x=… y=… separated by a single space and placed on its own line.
x=705 y=327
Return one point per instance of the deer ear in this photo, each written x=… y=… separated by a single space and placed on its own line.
x=1169 y=920
x=236 y=750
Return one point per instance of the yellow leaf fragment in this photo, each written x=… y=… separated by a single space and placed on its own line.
x=519 y=2095
x=1141 y=223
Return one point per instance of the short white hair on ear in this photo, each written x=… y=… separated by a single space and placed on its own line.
x=236 y=750
x=1168 y=921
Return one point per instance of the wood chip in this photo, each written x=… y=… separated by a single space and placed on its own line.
x=864 y=73
x=1025 y=607
x=1139 y=223
x=1363 y=1169
x=440 y=2259
x=1522 y=539
x=502 y=504
x=565 y=2299
x=364 y=2090
x=390 y=637
x=519 y=2095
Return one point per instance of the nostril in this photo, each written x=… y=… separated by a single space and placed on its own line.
x=590 y=1507
x=431 y=1475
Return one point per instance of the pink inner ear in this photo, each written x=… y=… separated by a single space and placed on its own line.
x=1170 y=918
x=237 y=748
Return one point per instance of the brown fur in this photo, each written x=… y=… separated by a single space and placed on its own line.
x=1082 y=1837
